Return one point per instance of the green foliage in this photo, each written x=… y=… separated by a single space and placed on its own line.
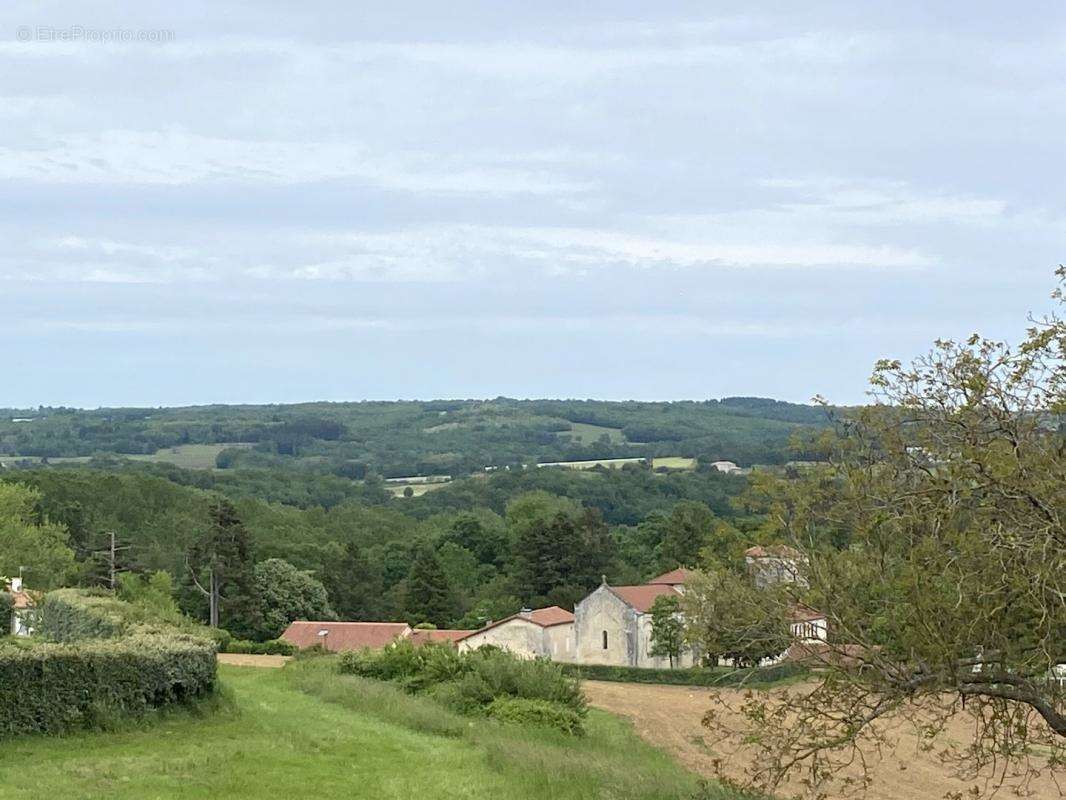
x=273 y=647
x=468 y=682
x=72 y=615
x=429 y=595
x=667 y=628
x=286 y=594
x=560 y=559
x=154 y=593
x=696 y=676
x=42 y=549
x=523 y=711
x=55 y=688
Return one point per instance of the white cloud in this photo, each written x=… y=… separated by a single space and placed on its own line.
x=178 y=158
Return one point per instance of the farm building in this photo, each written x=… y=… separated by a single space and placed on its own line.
x=531 y=633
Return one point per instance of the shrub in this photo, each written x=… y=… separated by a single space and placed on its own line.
x=466 y=682
x=71 y=615
x=52 y=688
x=523 y=711
x=273 y=647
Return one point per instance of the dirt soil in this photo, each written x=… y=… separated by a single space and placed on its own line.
x=242 y=660
x=670 y=718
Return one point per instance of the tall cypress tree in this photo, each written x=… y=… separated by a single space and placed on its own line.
x=430 y=598
x=355 y=588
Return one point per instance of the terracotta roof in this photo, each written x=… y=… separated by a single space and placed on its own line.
x=803 y=613
x=642 y=597
x=544 y=617
x=345 y=635
x=773 y=551
x=675 y=577
x=22 y=600
x=420 y=637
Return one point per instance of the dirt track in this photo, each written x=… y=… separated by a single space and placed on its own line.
x=241 y=660
x=670 y=717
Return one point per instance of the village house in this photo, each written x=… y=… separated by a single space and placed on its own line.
x=531 y=633
x=777 y=563
x=22 y=606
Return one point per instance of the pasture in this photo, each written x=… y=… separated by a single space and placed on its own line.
x=584 y=433
x=303 y=731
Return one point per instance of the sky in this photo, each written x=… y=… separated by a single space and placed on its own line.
x=282 y=202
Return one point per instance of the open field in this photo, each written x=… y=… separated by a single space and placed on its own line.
x=417 y=489
x=670 y=717
x=191 y=456
x=673 y=462
x=583 y=433
x=303 y=731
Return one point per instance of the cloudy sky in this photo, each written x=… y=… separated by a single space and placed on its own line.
x=273 y=202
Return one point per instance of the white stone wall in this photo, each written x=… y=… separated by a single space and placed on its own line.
x=526 y=639
x=604 y=612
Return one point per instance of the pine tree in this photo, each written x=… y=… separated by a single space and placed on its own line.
x=355 y=588
x=430 y=598
x=221 y=567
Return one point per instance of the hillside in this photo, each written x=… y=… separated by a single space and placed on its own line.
x=407 y=438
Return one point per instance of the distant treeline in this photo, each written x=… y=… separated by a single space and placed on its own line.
x=390 y=439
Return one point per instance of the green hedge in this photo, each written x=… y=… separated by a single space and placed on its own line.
x=73 y=615
x=53 y=688
x=524 y=711
x=273 y=647
x=696 y=676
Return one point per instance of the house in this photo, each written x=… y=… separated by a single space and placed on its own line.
x=675 y=578
x=808 y=625
x=338 y=636
x=725 y=466
x=777 y=563
x=613 y=624
x=420 y=636
x=531 y=633
x=22 y=605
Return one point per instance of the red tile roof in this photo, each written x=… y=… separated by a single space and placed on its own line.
x=22 y=599
x=420 y=637
x=803 y=613
x=345 y=635
x=675 y=577
x=544 y=617
x=642 y=597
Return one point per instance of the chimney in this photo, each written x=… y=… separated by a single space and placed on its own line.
x=525 y=612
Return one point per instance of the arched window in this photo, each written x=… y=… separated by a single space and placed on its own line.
x=605 y=640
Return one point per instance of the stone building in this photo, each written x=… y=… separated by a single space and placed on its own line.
x=531 y=633
x=613 y=624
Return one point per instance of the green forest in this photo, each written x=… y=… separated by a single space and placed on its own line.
x=301 y=521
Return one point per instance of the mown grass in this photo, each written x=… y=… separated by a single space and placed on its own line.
x=304 y=731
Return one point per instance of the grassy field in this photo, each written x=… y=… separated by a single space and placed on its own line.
x=190 y=456
x=673 y=462
x=583 y=433
x=304 y=731
x=417 y=489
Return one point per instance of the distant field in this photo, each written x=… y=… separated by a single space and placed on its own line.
x=674 y=462
x=583 y=433
x=610 y=463
x=417 y=489
x=190 y=456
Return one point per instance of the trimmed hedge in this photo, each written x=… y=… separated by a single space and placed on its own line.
x=273 y=647
x=695 y=676
x=54 y=688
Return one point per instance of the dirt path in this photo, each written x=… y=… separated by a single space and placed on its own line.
x=242 y=660
x=670 y=717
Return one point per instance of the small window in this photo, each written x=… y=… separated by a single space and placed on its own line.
x=605 y=640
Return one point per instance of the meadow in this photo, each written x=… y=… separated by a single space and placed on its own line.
x=305 y=731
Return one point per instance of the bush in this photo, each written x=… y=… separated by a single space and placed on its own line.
x=72 y=615
x=523 y=711
x=273 y=647
x=696 y=676
x=53 y=688
x=468 y=682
